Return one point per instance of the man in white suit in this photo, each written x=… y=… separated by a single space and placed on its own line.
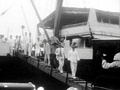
x=11 y=45
x=115 y=63
x=16 y=45
x=38 y=48
x=25 y=42
x=30 y=44
x=46 y=52
x=73 y=57
x=60 y=55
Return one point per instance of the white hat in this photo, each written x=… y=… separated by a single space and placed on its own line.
x=72 y=88
x=104 y=54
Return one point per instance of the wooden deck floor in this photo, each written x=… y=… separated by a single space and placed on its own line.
x=78 y=83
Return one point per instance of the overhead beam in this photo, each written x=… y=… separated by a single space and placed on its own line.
x=39 y=18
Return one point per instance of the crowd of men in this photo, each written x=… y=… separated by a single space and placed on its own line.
x=24 y=45
x=52 y=50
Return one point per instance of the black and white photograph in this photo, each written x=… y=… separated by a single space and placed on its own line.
x=59 y=44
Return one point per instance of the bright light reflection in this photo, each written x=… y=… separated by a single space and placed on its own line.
x=40 y=88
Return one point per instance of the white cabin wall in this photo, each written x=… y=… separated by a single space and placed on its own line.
x=84 y=52
x=111 y=29
x=102 y=28
x=74 y=30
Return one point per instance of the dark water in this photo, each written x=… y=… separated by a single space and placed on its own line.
x=15 y=70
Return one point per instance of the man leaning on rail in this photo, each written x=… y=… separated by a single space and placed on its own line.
x=115 y=63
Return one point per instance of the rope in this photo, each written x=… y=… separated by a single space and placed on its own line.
x=7 y=9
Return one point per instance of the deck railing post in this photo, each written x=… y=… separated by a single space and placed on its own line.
x=38 y=61
x=66 y=78
x=86 y=85
x=51 y=70
x=67 y=73
x=26 y=58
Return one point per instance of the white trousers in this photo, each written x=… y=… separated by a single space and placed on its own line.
x=61 y=64
x=11 y=50
x=47 y=57
x=25 y=48
x=38 y=52
x=29 y=49
x=73 y=66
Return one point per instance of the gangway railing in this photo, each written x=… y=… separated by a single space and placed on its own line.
x=65 y=77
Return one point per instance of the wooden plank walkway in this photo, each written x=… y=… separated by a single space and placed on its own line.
x=78 y=83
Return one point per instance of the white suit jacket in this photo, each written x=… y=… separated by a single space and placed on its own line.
x=60 y=54
x=73 y=56
x=46 y=48
x=11 y=42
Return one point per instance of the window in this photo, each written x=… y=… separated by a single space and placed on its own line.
x=107 y=17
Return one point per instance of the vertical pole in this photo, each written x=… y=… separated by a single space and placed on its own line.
x=67 y=73
x=67 y=77
x=8 y=33
x=86 y=85
x=37 y=32
x=58 y=12
x=119 y=14
x=38 y=58
x=26 y=58
x=51 y=70
x=119 y=20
